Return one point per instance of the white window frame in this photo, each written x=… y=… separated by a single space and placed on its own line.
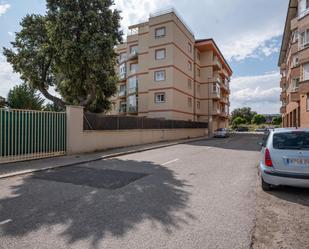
x=133 y=49
x=304 y=39
x=306 y=71
x=163 y=55
x=160 y=98
x=159 y=75
x=160 y=32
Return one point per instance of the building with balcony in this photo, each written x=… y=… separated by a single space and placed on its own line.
x=294 y=66
x=164 y=72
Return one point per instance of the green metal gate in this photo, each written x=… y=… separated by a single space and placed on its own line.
x=27 y=134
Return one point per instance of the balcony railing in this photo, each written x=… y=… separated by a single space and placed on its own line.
x=132 y=109
x=123 y=109
x=132 y=90
x=122 y=93
x=133 y=55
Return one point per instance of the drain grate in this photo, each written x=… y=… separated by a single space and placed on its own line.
x=92 y=177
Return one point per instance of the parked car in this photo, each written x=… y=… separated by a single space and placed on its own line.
x=285 y=158
x=261 y=129
x=221 y=132
x=242 y=128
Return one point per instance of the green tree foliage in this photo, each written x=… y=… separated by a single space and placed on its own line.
x=2 y=102
x=277 y=121
x=238 y=121
x=245 y=113
x=53 y=108
x=258 y=119
x=23 y=97
x=71 y=48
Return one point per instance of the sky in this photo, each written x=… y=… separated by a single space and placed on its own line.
x=249 y=34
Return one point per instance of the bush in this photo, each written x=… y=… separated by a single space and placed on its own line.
x=238 y=121
x=258 y=119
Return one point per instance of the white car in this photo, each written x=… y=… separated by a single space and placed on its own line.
x=285 y=158
x=221 y=132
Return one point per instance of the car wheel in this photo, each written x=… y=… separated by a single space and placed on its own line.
x=265 y=186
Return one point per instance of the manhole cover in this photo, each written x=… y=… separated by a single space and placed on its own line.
x=97 y=178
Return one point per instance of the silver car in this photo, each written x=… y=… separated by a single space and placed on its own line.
x=285 y=158
x=221 y=132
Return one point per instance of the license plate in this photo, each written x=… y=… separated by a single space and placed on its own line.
x=298 y=161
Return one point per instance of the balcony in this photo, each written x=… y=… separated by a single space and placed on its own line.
x=122 y=76
x=216 y=112
x=132 y=109
x=133 y=56
x=295 y=96
x=283 y=109
x=133 y=72
x=224 y=100
x=216 y=64
x=215 y=95
x=304 y=87
x=224 y=114
x=122 y=93
x=225 y=86
x=283 y=82
x=283 y=96
x=122 y=109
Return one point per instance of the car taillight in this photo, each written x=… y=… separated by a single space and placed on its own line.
x=268 y=161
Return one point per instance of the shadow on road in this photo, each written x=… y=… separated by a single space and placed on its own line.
x=84 y=212
x=242 y=142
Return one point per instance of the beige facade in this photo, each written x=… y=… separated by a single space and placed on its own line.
x=294 y=66
x=166 y=73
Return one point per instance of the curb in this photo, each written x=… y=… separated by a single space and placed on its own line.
x=24 y=172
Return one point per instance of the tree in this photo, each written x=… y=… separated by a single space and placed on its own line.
x=72 y=50
x=244 y=113
x=277 y=121
x=2 y=102
x=258 y=119
x=23 y=97
x=238 y=121
x=52 y=108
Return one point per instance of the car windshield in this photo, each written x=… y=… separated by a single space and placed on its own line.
x=221 y=129
x=291 y=141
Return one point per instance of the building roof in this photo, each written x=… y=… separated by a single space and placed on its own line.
x=218 y=52
x=292 y=12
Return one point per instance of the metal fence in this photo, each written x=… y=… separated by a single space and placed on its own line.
x=27 y=134
x=104 y=122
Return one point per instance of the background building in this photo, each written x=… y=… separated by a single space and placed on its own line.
x=165 y=73
x=294 y=66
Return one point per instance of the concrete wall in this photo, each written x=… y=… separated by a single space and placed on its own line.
x=80 y=141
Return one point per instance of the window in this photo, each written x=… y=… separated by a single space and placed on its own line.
x=304 y=39
x=189 y=47
x=189 y=84
x=122 y=90
x=290 y=141
x=160 y=97
x=190 y=65
x=294 y=36
x=133 y=49
x=132 y=85
x=198 y=72
x=198 y=55
x=122 y=56
x=295 y=61
x=160 y=54
x=133 y=67
x=122 y=71
x=198 y=105
x=303 y=7
x=189 y=102
x=159 y=75
x=306 y=72
x=160 y=32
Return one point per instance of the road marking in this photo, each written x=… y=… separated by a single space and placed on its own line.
x=5 y=222
x=169 y=162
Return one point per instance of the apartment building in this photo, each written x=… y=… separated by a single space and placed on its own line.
x=166 y=73
x=294 y=66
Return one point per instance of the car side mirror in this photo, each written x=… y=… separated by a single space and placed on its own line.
x=261 y=144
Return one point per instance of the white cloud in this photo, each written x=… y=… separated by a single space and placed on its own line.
x=8 y=79
x=260 y=92
x=135 y=11
x=4 y=8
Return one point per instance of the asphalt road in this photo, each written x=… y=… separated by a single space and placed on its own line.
x=196 y=195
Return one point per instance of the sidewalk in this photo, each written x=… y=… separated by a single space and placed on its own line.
x=20 y=168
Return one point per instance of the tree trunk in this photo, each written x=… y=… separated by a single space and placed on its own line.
x=57 y=101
